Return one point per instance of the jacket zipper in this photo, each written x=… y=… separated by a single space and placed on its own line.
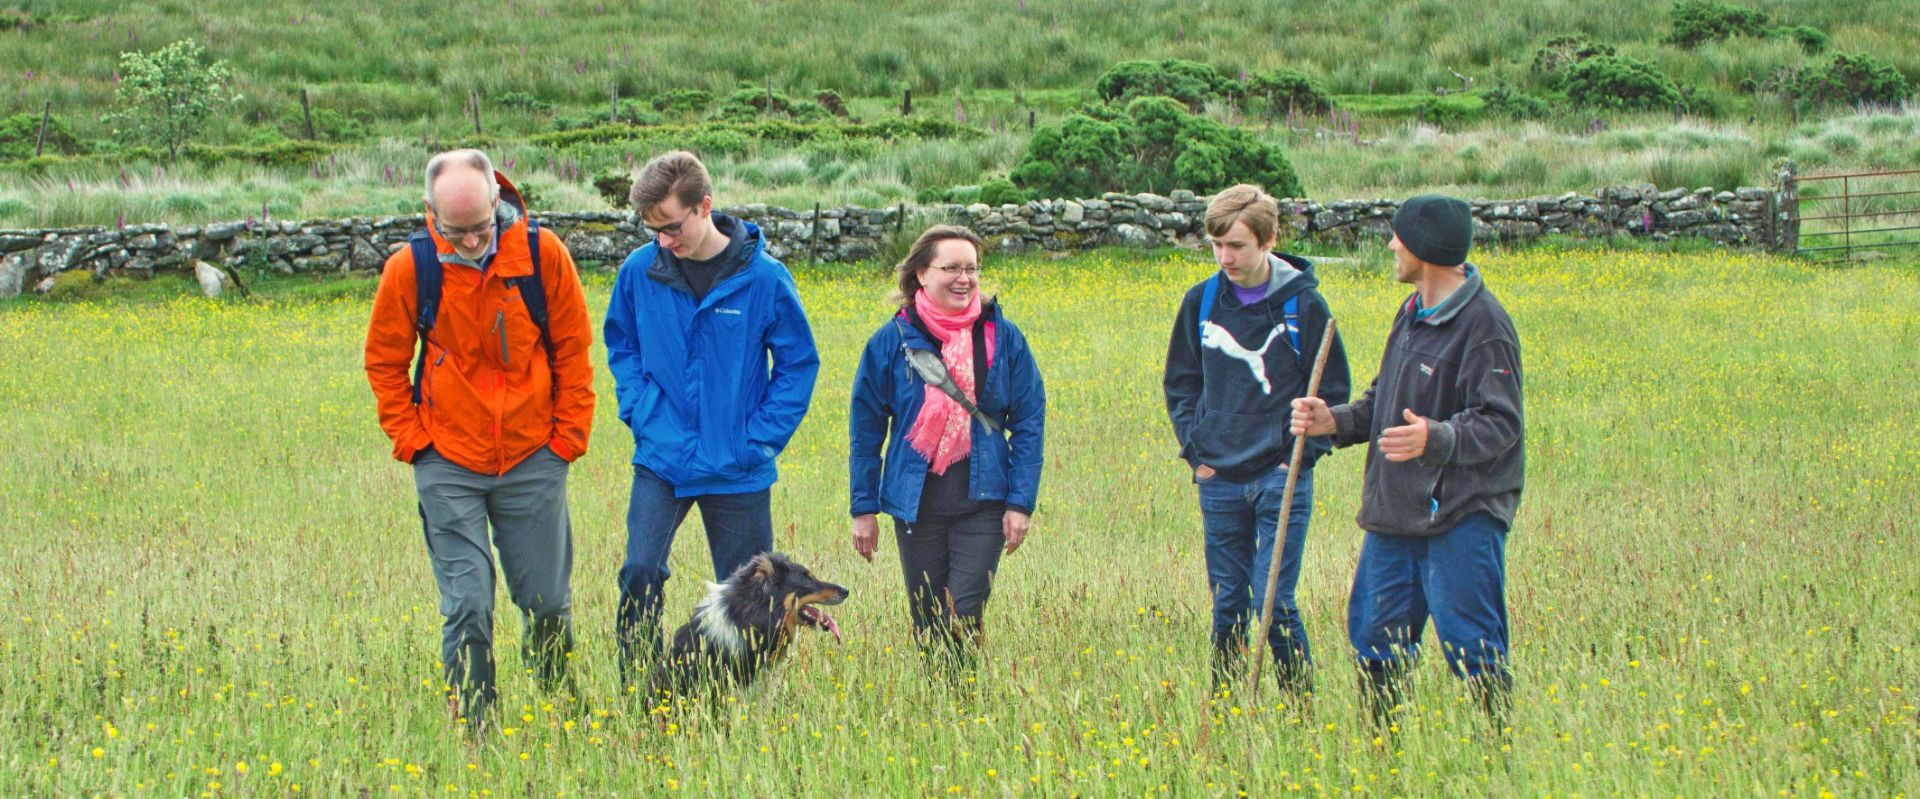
x=500 y=326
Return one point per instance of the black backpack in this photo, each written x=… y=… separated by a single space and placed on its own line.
x=427 y=274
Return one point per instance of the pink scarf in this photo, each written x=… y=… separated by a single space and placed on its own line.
x=942 y=431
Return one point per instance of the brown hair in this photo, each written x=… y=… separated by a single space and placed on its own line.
x=920 y=256
x=678 y=173
x=1244 y=203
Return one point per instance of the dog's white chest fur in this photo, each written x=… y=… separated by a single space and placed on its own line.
x=711 y=615
x=1213 y=336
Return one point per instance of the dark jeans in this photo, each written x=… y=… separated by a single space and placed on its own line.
x=739 y=526
x=948 y=556
x=1457 y=578
x=1240 y=521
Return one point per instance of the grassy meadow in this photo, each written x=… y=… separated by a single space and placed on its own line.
x=218 y=588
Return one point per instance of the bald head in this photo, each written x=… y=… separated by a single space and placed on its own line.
x=461 y=194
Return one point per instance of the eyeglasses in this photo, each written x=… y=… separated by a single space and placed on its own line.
x=674 y=230
x=956 y=270
x=458 y=233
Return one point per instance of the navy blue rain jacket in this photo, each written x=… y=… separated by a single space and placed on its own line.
x=887 y=395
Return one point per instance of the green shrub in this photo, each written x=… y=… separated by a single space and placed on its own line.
x=1620 y=83
x=684 y=102
x=1505 y=101
x=1154 y=144
x=1560 y=53
x=1438 y=112
x=1189 y=82
x=1286 y=88
x=747 y=105
x=1001 y=191
x=328 y=125
x=285 y=153
x=1696 y=22
x=20 y=132
x=1850 y=78
x=1811 y=40
x=522 y=101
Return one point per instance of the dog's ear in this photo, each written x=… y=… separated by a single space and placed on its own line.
x=764 y=566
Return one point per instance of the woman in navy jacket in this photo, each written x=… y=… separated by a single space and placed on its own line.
x=959 y=484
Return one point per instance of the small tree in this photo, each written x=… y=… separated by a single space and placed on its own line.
x=166 y=96
x=1852 y=78
x=1619 y=82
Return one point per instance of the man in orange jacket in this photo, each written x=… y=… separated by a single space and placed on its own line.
x=493 y=415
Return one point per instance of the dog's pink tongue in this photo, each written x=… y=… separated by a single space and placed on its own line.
x=832 y=626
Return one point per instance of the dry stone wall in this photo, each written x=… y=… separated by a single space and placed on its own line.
x=1745 y=217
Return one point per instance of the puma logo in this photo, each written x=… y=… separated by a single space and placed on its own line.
x=1217 y=337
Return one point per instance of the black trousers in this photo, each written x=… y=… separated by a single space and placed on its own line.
x=949 y=555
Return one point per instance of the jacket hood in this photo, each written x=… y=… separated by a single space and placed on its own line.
x=744 y=244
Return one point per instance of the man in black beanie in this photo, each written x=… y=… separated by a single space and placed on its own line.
x=1445 y=463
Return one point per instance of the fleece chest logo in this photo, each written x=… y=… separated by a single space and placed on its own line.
x=1426 y=370
x=728 y=311
x=1215 y=337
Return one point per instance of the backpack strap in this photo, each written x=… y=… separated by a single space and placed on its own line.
x=1291 y=308
x=533 y=290
x=1207 y=294
x=427 y=273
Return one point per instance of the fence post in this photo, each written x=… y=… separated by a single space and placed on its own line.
x=46 y=113
x=1783 y=212
x=906 y=102
x=613 y=104
x=473 y=100
x=813 y=239
x=306 y=110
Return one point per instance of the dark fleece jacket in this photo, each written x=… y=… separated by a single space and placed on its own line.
x=1459 y=368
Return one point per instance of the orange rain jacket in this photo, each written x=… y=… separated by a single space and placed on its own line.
x=489 y=396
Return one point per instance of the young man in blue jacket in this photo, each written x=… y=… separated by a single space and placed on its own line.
x=1243 y=345
x=713 y=365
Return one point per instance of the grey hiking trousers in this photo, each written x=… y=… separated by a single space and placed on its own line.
x=526 y=509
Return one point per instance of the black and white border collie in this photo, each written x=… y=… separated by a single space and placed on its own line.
x=745 y=624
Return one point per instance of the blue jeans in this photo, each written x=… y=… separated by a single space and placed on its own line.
x=1240 y=521
x=1458 y=578
x=739 y=526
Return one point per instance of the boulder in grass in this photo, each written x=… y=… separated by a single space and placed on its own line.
x=212 y=280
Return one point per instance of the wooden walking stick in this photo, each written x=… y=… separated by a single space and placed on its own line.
x=1286 y=508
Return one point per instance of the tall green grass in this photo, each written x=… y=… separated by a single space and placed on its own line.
x=217 y=584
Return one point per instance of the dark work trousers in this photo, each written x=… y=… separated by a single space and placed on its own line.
x=523 y=515
x=949 y=555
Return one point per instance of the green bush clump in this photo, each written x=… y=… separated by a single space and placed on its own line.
x=522 y=101
x=1287 y=88
x=1851 y=78
x=285 y=153
x=684 y=102
x=1001 y=191
x=1560 y=53
x=20 y=132
x=767 y=131
x=328 y=125
x=1812 y=40
x=1696 y=22
x=746 y=105
x=1505 y=101
x=1153 y=144
x=1620 y=82
x=1190 y=82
